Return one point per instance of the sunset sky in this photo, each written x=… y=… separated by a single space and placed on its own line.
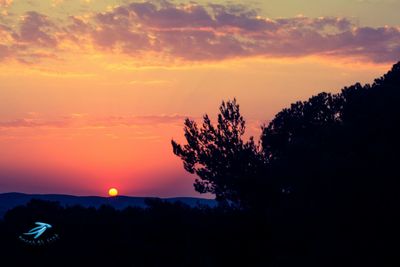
x=93 y=91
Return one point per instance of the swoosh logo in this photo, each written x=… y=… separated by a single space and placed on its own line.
x=38 y=230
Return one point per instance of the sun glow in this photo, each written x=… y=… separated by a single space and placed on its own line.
x=113 y=192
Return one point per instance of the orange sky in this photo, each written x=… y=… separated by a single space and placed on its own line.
x=92 y=100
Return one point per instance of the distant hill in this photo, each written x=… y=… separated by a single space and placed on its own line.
x=11 y=200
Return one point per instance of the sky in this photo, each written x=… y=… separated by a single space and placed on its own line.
x=92 y=92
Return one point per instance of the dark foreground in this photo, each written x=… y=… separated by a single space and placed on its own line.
x=168 y=234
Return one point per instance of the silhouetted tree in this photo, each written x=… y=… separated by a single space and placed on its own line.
x=323 y=151
x=338 y=157
x=226 y=165
x=339 y=148
x=300 y=145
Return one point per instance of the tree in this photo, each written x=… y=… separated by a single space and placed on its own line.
x=300 y=141
x=225 y=164
x=339 y=150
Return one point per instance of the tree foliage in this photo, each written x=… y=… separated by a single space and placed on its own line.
x=226 y=164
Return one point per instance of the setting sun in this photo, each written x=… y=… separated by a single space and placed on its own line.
x=113 y=192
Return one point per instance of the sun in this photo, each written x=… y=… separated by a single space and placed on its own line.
x=113 y=192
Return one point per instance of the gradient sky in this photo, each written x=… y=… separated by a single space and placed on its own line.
x=93 y=91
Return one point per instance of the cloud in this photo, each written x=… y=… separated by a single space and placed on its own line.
x=31 y=123
x=209 y=32
x=36 y=29
x=35 y=38
x=6 y=3
x=85 y=121
x=215 y=32
x=150 y=82
x=167 y=15
x=138 y=120
x=4 y=52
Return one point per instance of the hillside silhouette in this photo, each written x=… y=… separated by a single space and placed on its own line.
x=319 y=189
x=11 y=200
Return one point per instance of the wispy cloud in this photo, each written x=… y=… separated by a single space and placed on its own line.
x=150 y=82
x=78 y=120
x=196 y=32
